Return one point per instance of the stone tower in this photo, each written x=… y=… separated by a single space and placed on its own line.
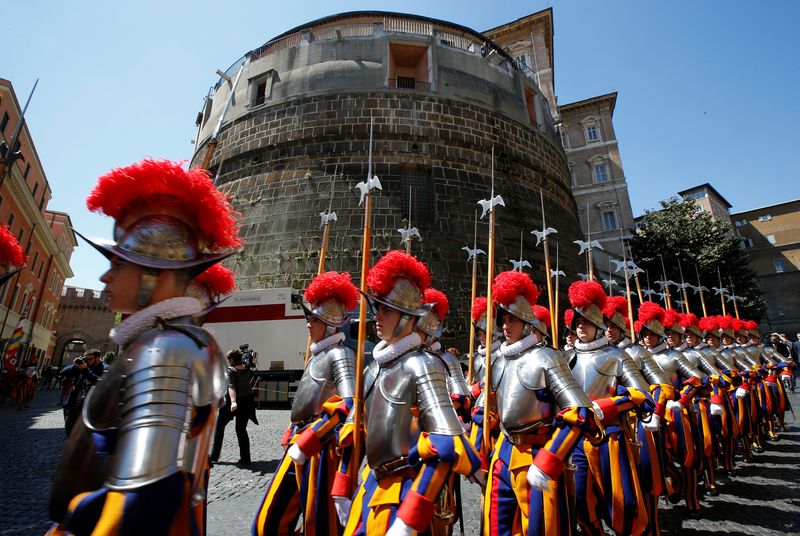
x=441 y=95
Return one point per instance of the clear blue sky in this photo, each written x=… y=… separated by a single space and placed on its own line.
x=707 y=90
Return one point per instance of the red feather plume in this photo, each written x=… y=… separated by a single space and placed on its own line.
x=478 y=308
x=750 y=324
x=10 y=250
x=650 y=311
x=584 y=293
x=217 y=279
x=725 y=322
x=510 y=284
x=439 y=301
x=688 y=320
x=332 y=286
x=615 y=304
x=192 y=191
x=569 y=316
x=397 y=264
x=542 y=315
x=738 y=325
x=670 y=318
x=637 y=326
x=708 y=323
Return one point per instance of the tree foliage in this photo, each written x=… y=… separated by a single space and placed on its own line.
x=680 y=231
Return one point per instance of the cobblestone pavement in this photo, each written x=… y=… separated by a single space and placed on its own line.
x=762 y=498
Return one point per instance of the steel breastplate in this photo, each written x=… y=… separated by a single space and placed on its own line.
x=165 y=375
x=402 y=398
x=520 y=384
x=725 y=359
x=597 y=372
x=319 y=382
x=668 y=362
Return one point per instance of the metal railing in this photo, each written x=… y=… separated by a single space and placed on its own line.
x=417 y=27
x=408 y=83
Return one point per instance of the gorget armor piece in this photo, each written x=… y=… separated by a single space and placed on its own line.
x=531 y=387
x=327 y=373
x=646 y=364
x=599 y=372
x=456 y=383
x=769 y=356
x=740 y=358
x=676 y=366
x=404 y=397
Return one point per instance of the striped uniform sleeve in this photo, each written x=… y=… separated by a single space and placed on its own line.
x=626 y=399
x=571 y=424
x=334 y=412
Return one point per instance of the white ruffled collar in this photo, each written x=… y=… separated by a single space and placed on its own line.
x=658 y=349
x=495 y=346
x=590 y=346
x=700 y=345
x=435 y=346
x=327 y=342
x=515 y=349
x=624 y=343
x=386 y=353
x=145 y=319
x=682 y=347
x=748 y=344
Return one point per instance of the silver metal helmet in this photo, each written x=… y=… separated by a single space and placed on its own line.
x=431 y=325
x=404 y=296
x=330 y=312
x=592 y=313
x=159 y=242
x=520 y=308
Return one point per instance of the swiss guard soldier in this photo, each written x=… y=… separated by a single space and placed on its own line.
x=431 y=326
x=542 y=414
x=324 y=397
x=651 y=451
x=413 y=436
x=606 y=491
x=160 y=396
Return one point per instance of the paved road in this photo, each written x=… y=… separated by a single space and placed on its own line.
x=763 y=498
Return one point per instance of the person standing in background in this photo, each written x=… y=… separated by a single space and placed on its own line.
x=240 y=405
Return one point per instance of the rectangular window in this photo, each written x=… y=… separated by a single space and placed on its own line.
x=262 y=88
x=408 y=67
x=565 y=138
x=700 y=194
x=771 y=238
x=41 y=266
x=530 y=104
x=417 y=190
x=599 y=172
x=35 y=258
x=35 y=189
x=28 y=247
x=765 y=217
x=592 y=134
x=27 y=170
x=609 y=220
x=746 y=243
x=572 y=177
x=10 y=221
x=780 y=266
x=4 y=122
x=19 y=235
x=740 y=223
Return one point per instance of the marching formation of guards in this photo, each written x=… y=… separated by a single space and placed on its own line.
x=590 y=435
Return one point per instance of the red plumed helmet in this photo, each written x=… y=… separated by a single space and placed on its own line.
x=10 y=250
x=440 y=304
x=689 y=322
x=709 y=324
x=165 y=187
x=738 y=325
x=651 y=316
x=671 y=321
x=399 y=281
x=616 y=311
x=588 y=299
x=515 y=293
x=218 y=280
x=752 y=328
x=569 y=317
x=332 y=286
x=331 y=296
x=542 y=314
x=478 y=308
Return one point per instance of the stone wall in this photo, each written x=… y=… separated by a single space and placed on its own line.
x=278 y=164
x=82 y=314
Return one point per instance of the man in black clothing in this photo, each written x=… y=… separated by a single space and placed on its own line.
x=87 y=370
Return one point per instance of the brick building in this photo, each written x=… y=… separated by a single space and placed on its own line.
x=442 y=95
x=771 y=237
x=32 y=296
x=84 y=322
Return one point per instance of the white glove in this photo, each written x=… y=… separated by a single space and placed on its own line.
x=297 y=455
x=342 y=505
x=653 y=425
x=399 y=528
x=716 y=409
x=598 y=412
x=741 y=393
x=674 y=405
x=537 y=479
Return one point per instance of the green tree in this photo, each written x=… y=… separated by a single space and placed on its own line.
x=689 y=238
